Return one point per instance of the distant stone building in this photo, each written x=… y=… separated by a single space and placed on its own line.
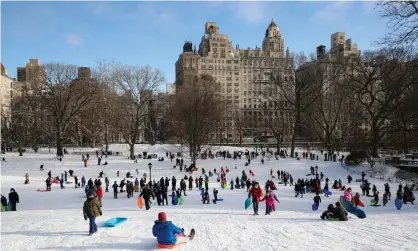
x=6 y=95
x=32 y=74
x=244 y=75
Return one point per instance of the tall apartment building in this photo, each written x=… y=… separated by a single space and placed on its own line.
x=342 y=50
x=31 y=74
x=244 y=74
x=6 y=95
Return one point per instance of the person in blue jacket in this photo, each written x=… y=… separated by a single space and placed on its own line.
x=165 y=231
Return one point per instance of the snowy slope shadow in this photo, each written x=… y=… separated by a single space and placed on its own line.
x=37 y=233
x=147 y=244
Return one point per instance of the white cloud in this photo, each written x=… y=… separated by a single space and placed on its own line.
x=333 y=11
x=73 y=39
x=251 y=12
x=100 y=9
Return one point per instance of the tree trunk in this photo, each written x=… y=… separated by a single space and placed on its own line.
x=405 y=141
x=132 y=151
x=59 y=142
x=375 y=140
x=295 y=128
x=107 y=138
x=278 y=147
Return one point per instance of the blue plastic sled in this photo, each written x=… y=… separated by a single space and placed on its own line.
x=351 y=208
x=248 y=203
x=314 y=207
x=398 y=204
x=115 y=222
x=327 y=192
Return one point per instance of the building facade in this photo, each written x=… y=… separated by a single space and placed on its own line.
x=244 y=75
x=326 y=67
x=32 y=74
x=6 y=95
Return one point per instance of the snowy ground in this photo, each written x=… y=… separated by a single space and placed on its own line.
x=54 y=221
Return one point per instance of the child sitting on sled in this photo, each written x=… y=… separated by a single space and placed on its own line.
x=166 y=232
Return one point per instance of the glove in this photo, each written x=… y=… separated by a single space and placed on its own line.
x=100 y=213
x=182 y=230
x=85 y=218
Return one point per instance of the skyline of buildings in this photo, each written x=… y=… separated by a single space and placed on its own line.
x=244 y=74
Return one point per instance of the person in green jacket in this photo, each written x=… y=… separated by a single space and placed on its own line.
x=91 y=210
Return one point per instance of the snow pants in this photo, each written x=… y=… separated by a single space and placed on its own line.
x=255 y=205
x=268 y=209
x=147 y=206
x=93 y=226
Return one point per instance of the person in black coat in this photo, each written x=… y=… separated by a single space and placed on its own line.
x=115 y=190
x=146 y=193
x=13 y=199
x=164 y=195
x=174 y=183
x=190 y=183
x=90 y=183
x=167 y=182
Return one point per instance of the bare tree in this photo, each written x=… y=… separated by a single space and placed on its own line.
x=300 y=93
x=276 y=120
x=196 y=111
x=380 y=81
x=136 y=87
x=326 y=111
x=238 y=122
x=64 y=96
x=402 y=19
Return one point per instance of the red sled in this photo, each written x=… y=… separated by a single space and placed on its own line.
x=170 y=246
x=195 y=169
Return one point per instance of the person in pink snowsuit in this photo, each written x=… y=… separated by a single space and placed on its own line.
x=347 y=194
x=270 y=198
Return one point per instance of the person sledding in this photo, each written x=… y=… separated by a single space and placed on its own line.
x=335 y=213
x=270 y=198
x=167 y=233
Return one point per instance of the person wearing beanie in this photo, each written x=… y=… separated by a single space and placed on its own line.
x=165 y=231
x=91 y=210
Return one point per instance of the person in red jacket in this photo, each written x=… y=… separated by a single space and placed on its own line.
x=100 y=194
x=256 y=193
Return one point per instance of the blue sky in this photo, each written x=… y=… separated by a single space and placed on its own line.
x=153 y=33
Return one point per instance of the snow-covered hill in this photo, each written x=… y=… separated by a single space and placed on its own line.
x=54 y=221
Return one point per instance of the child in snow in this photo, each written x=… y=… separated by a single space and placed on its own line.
x=115 y=190
x=317 y=199
x=206 y=198
x=165 y=231
x=376 y=198
x=385 y=198
x=347 y=194
x=270 y=198
x=356 y=200
x=91 y=210
x=215 y=195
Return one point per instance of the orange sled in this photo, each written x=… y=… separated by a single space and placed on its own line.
x=170 y=246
